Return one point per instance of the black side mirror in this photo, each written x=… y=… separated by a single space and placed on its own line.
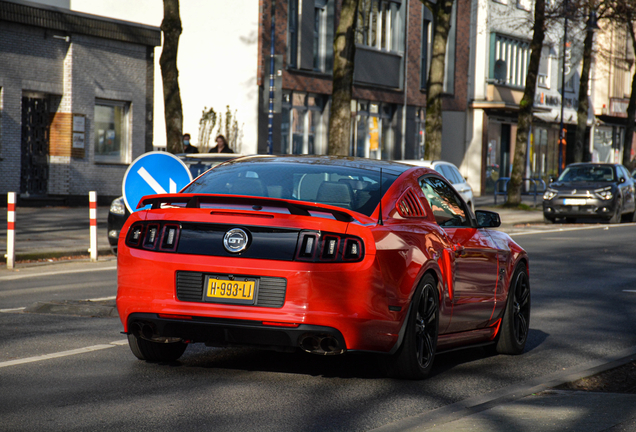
x=621 y=180
x=487 y=219
x=551 y=180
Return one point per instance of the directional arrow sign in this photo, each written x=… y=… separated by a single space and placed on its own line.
x=154 y=173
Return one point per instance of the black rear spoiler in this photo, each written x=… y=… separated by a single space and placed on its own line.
x=300 y=208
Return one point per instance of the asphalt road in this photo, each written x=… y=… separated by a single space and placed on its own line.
x=583 y=304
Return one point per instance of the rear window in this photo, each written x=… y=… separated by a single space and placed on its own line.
x=350 y=188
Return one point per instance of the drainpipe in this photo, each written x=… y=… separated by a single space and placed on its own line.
x=406 y=66
x=270 y=111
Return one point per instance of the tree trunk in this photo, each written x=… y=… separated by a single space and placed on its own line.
x=343 y=64
x=171 y=28
x=435 y=85
x=584 y=101
x=524 y=121
x=631 y=111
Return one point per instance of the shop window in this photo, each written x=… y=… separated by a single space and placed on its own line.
x=374 y=131
x=380 y=25
x=303 y=128
x=112 y=143
x=310 y=30
x=512 y=57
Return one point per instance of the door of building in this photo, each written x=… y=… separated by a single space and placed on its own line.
x=34 y=173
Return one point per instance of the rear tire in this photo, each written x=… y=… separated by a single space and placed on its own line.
x=515 y=323
x=414 y=359
x=155 y=351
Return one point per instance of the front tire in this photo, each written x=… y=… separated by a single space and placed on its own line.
x=155 y=351
x=414 y=359
x=616 y=218
x=516 y=320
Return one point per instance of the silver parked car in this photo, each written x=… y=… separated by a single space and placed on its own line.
x=450 y=173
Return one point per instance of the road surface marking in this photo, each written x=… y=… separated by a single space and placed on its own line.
x=634 y=291
x=154 y=184
x=62 y=354
x=102 y=299
x=13 y=309
x=23 y=276
x=561 y=230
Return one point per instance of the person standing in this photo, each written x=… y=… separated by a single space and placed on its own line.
x=221 y=146
x=187 y=147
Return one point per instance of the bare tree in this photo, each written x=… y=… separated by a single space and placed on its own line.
x=435 y=86
x=631 y=107
x=584 y=102
x=171 y=28
x=524 y=120
x=343 y=65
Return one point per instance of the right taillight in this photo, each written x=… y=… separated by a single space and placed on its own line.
x=316 y=246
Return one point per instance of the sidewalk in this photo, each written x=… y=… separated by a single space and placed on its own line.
x=48 y=232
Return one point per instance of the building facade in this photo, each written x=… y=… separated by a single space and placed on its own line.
x=393 y=45
x=76 y=100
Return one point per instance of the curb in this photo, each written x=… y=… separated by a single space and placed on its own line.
x=477 y=404
x=32 y=256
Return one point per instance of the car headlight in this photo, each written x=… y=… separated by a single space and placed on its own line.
x=549 y=194
x=604 y=193
x=118 y=207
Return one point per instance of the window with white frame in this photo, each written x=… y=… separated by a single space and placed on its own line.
x=111 y=128
x=380 y=25
x=303 y=128
x=545 y=66
x=511 y=54
x=524 y=4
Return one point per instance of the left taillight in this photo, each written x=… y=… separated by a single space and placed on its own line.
x=155 y=236
x=316 y=246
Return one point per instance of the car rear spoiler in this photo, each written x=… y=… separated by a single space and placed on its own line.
x=300 y=208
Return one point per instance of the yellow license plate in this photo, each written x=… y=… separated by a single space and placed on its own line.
x=223 y=289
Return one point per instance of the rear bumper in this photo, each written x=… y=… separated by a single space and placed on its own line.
x=228 y=332
x=345 y=301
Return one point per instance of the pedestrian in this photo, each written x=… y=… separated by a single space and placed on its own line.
x=221 y=146
x=187 y=147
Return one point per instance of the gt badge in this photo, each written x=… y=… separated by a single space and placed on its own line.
x=235 y=240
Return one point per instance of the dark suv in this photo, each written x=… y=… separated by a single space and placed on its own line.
x=591 y=190
x=197 y=163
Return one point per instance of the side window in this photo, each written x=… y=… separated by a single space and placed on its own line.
x=446 y=205
x=459 y=178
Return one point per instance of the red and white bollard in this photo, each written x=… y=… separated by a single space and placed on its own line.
x=92 y=198
x=10 y=256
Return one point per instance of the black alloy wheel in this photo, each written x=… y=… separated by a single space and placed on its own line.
x=516 y=320
x=414 y=359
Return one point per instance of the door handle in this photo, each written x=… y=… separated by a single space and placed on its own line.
x=458 y=249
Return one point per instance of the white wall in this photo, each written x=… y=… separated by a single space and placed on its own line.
x=217 y=59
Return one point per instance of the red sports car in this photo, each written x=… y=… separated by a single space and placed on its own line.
x=324 y=254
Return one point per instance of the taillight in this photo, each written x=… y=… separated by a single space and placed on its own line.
x=317 y=246
x=154 y=236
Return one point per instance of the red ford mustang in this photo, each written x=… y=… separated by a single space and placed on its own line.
x=324 y=254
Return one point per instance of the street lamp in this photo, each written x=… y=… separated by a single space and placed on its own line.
x=562 y=127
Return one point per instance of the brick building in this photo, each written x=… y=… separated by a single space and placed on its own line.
x=392 y=56
x=76 y=100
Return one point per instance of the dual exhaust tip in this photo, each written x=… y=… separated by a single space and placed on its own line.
x=320 y=344
x=147 y=331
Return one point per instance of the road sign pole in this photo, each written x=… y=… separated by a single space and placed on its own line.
x=10 y=256
x=92 y=212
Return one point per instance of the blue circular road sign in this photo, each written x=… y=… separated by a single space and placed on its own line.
x=154 y=173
